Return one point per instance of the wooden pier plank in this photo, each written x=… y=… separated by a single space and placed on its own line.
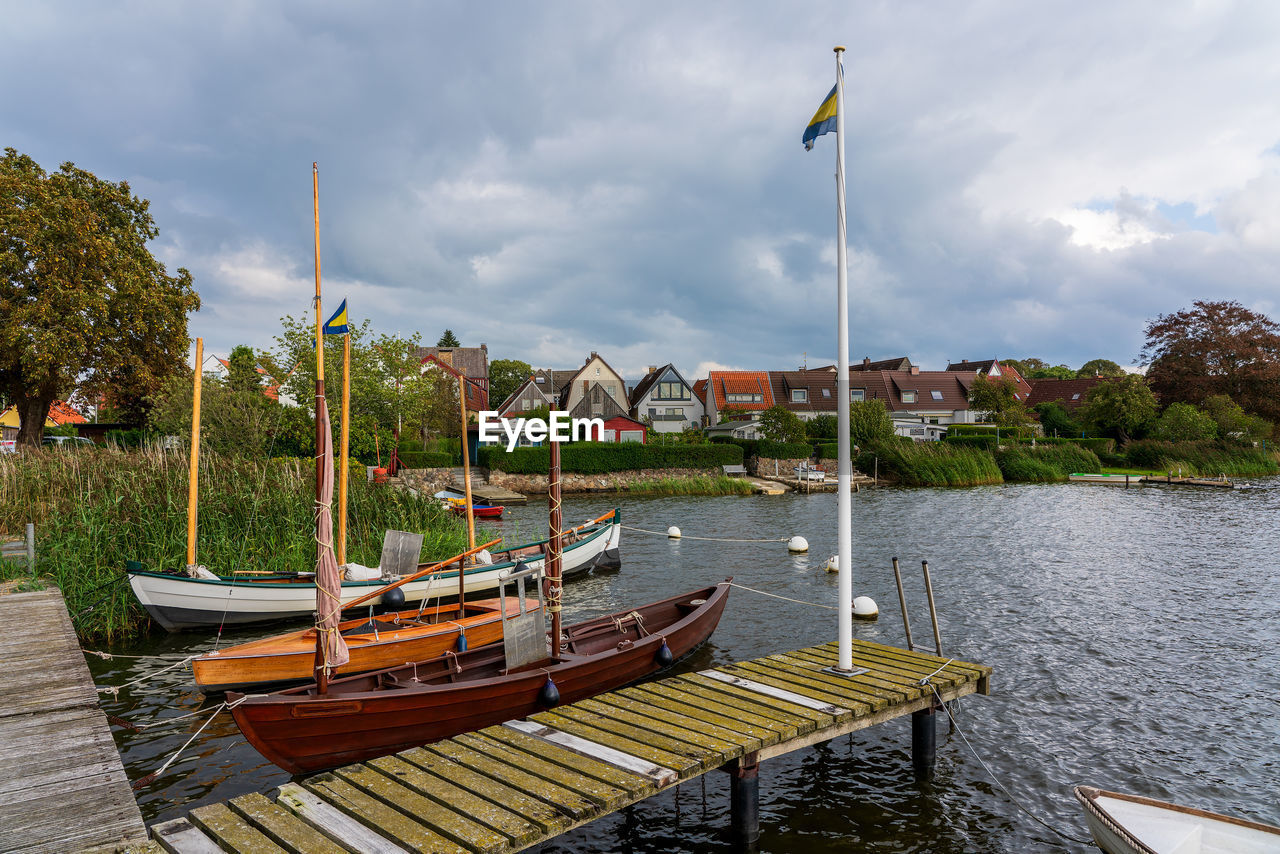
x=390 y=790
x=727 y=745
x=231 y=832
x=765 y=681
x=282 y=826
x=680 y=757
x=852 y=692
x=549 y=806
x=875 y=683
x=894 y=670
x=338 y=810
x=659 y=712
x=180 y=836
x=747 y=711
x=599 y=781
x=811 y=719
x=757 y=733
x=624 y=754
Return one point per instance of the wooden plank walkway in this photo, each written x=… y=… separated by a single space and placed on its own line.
x=513 y=786
x=62 y=785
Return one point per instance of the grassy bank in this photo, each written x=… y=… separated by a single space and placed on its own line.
x=1044 y=463
x=94 y=510
x=930 y=464
x=1200 y=459
x=704 y=485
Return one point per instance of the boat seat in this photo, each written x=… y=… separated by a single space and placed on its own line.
x=368 y=627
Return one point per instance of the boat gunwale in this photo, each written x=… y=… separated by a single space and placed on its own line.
x=1088 y=795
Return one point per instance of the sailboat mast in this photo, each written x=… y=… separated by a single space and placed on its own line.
x=322 y=675
x=466 y=479
x=344 y=461
x=194 y=475
x=554 y=587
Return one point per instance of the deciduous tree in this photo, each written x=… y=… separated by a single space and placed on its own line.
x=84 y=306
x=1125 y=406
x=505 y=376
x=869 y=420
x=1182 y=422
x=1100 y=368
x=779 y=424
x=998 y=398
x=1216 y=348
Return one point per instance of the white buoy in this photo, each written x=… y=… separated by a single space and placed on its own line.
x=673 y=532
x=864 y=608
x=833 y=564
x=795 y=545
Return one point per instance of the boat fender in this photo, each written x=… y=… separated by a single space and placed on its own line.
x=833 y=563
x=352 y=571
x=797 y=545
x=462 y=639
x=393 y=598
x=549 y=696
x=673 y=532
x=483 y=557
x=664 y=658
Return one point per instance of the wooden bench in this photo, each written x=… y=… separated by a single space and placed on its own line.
x=738 y=469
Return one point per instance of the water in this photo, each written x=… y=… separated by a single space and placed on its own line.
x=1133 y=635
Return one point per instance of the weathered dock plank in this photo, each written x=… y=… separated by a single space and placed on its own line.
x=57 y=746
x=509 y=787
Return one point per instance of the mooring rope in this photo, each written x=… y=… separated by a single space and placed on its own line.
x=784 y=598
x=708 y=539
x=143 y=781
x=991 y=774
x=114 y=690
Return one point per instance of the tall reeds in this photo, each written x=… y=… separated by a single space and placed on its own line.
x=1048 y=463
x=930 y=464
x=96 y=509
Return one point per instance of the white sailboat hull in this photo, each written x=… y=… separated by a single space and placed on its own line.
x=1130 y=824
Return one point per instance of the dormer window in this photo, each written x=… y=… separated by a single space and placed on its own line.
x=909 y=396
x=857 y=394
x=799 y=395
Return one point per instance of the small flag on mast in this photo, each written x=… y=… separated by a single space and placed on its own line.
x=823 y=121
x=337 y=325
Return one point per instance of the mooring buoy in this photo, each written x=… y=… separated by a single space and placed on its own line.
x=797 y=544
x=864 y=608
x=673 y=532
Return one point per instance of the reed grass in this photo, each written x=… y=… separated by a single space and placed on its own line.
x=96 y=509
x=1203 y=459
x=698 y=485
x=931 y=464
x=1052 y=463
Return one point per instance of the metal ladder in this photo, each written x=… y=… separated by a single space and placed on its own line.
x=933 y=618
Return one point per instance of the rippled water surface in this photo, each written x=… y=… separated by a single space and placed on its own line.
x=1134 y=636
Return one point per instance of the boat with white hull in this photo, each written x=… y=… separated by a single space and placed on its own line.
x=1131 y=824
x=178 y=601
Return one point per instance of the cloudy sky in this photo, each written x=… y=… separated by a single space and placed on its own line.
x=1024 y=179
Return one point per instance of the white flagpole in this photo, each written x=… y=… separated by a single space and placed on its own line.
x=844 y=509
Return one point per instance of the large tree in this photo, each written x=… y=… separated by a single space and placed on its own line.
x=779 y=424
x=448 y=339
x=1215 y=348
x=869 y=421
x=84 y=306
x=1124 y=406
x=505 y=376
x=998 y=398
x=1100 y=368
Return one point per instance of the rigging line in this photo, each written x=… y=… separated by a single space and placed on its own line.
x=996 y=780
x=784 y=598
x=143 y=781
x=708 y=539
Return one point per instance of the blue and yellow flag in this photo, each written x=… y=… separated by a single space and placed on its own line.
x=823 y=121
x=337 y=325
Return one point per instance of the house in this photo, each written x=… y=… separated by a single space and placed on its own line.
x=621 y=428
x=666 y=400
x=595 y=372
x=60 y=414
x=596 y=402
x=550 y=382
x=528 y=397
x=736 y=394
x=807 y=393
x=924 y=397
x=470 y=362
x=222 y=368
x=902 y=363
x=992 y=369
x=1069 y=393
x=743 y=428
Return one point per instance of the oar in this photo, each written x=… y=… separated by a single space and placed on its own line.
x=435 y=567
x=592 y=522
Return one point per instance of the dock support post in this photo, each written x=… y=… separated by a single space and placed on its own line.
x=924 y=742
x=31 y=547
x=744 y=800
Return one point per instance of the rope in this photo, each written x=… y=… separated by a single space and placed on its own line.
x=784 y=598
x=992 y=775
x=114 y=690
x=143 y=781
x=707 y=539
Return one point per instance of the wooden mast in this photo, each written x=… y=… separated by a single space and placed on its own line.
x=194 y=475
x=343 y=461
x=553 y=548
x=322 y=677
x=466 y=479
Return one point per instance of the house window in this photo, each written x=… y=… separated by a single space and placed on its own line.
x=935 y=394
x=540 y=380
x=909 y=396
x=1075 y=396
x=671 y=391
x=799 y=395
x=745 y=398
x=857 y=394
x=611 y=389
x=826 y=392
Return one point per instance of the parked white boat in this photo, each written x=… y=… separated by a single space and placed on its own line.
x=178 y=601
x=1110 y=479
x=1131 y=824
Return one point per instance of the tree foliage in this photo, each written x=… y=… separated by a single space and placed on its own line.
x=448 y=339
x=822 y=427
x=779 y=424
x=1056 y=421
x=869 y=420
x=1216 y=348
x=1233 y=422
x=85 y=306
x=1100 y=368
x=242 y=369
x=1125 y=406
x=505 y=376
x=998 y=398
x=1182 y=422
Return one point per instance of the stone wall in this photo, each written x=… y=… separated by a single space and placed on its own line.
x=765 y=467
x=429 y=481
x=618 y=481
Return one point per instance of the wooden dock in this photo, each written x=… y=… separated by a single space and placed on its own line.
x=522 y=783
x=62 y=785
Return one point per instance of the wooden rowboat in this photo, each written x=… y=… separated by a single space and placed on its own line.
x=1130 y=824
x=362 y=717
x=480 y=511
x=375 y=642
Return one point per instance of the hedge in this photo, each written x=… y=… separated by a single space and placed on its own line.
x=971 y=440
x=784 y=450
x=830 y=450
x=424 y=459
x=603 y=457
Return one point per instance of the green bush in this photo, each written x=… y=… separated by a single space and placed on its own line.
x=971 y=440
x=603 y=457
x=1205 y=458
x=784 y=450
x=425 y=459
x=830 y=450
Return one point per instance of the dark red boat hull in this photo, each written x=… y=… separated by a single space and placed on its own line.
x=303 y=733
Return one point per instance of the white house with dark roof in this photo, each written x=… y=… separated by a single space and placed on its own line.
x=665 y=400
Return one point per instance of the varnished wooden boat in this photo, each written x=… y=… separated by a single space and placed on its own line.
x=1130 y=824
x=377 y=642
x=363 y=717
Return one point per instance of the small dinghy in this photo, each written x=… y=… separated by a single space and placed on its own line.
x=1130 y=824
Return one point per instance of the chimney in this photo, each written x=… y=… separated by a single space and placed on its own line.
x=915 y=370
x=866 y=363
x=653 y=368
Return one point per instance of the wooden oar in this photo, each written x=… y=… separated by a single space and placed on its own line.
x=592 y=522
x=435 y=567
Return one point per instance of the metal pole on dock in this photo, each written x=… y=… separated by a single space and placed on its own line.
x=902 y=601
x=844 y=505
x=31 y=547
x=744 y=800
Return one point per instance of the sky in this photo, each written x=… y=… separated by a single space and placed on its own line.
x=555 y=178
